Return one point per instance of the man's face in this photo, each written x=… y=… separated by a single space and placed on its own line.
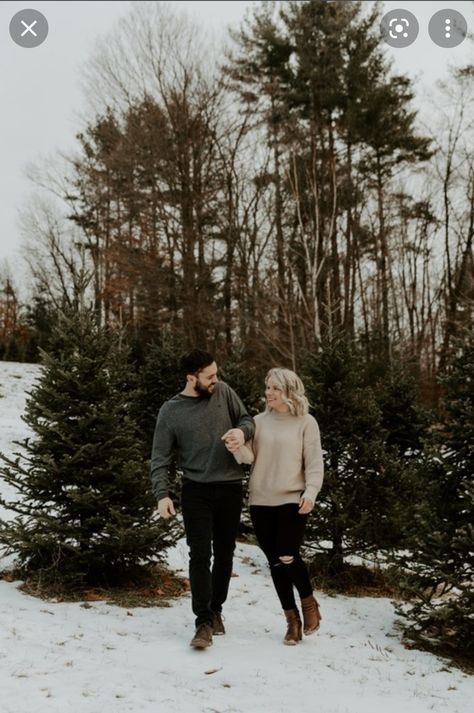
x=206 y=380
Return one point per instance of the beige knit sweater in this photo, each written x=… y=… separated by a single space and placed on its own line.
x=288 y=459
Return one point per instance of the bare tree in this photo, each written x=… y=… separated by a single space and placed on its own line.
x=58 y=269
x=455 y=173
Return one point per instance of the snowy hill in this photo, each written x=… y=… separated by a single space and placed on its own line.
x=57 y=657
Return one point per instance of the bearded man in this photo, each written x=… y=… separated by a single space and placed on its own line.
x=204 y=424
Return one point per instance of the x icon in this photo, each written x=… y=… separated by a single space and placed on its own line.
x=28 y=28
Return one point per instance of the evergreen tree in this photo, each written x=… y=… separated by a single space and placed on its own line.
x=339 y=124
x=356 y=504
x=403 y=419
x=84 y=512
x=405 y=424
x=160 y=379
x=241 y=374
x=439 y=570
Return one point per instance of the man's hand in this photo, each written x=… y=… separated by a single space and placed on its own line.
x=306 y=506
x=166 y=508
x=234 y=439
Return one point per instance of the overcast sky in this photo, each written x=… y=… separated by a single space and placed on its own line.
x=40 y=96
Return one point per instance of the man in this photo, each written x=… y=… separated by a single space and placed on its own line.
x=206 y=423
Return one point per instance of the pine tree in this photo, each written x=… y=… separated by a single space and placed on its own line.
x=243 y=376
x=439 y=570
x=84 y=511
x=160 y=379
x=315 y=74
x=355 y=509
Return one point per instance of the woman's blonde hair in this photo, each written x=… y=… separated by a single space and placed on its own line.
x=292 y=387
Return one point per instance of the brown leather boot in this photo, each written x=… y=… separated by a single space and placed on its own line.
x=311 y=615
x=218 y=627
x=293 y=632
x=203 y=637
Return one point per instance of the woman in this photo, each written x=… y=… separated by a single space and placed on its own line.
x=286 y=477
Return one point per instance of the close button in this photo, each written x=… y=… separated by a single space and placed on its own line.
x=28 y=28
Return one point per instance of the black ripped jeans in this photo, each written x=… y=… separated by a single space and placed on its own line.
x=279 y=530
x=211 y=515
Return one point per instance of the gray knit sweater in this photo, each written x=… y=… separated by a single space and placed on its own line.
x=193 y=426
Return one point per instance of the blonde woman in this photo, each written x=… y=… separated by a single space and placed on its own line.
x=286 y=476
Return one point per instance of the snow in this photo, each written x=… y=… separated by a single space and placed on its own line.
x=15 y=381
x=60 y=657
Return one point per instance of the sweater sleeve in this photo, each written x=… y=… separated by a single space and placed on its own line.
x=161 y=455
x=245 y=454
x=312 y=459
x=239 y=415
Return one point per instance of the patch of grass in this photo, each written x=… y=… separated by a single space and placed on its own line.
x=352 y=580
x=149 y=586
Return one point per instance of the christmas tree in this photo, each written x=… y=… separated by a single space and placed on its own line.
x=438 y=572
x=84 y=508
x=159 y=379
x=355 y=508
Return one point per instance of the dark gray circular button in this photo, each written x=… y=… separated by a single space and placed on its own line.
x=447 y=28
x=28 y=28
x=399 y=28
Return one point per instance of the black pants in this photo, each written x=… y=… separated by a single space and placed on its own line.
x=280 y=530
x=211 y=515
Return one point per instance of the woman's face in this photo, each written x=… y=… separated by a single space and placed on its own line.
x=274 y=396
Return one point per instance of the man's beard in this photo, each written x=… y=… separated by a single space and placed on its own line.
x=203 y=390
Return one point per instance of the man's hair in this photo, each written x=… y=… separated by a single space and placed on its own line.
x=195 y=361
x=292 y=388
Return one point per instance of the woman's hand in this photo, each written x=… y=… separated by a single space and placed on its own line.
x=234 y=439
x=306 y=506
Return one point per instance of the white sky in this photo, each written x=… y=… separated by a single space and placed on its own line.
x=40 y=96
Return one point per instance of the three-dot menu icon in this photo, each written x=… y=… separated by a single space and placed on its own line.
x=447 y=28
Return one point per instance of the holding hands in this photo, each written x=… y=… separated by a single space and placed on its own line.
x=234 y=439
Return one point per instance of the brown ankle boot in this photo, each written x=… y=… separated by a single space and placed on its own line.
x=202 y=637
x=293 y=632
x=311 y=615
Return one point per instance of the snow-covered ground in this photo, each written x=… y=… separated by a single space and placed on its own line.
x=57 y=657
x=15 y=381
